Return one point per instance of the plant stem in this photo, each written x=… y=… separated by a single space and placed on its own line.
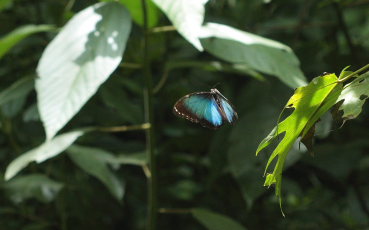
x=163 y=29
x=125 y=128
x=354 y=73
x=151 y=181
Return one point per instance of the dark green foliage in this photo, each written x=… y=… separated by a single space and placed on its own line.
x=206 y=179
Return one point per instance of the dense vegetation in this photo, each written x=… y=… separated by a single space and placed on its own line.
x=89 y=140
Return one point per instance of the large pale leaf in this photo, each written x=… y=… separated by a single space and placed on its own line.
x=36 y=186
x=17 y=35
x=215 y=221
x=79 y=59
x=95 y=162
x=19 y=89
x=261 y=54
x=309 y=104
x=187 y=17
x=47 y=150
x=354 y=95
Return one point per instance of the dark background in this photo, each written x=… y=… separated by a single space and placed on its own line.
x=215 y=170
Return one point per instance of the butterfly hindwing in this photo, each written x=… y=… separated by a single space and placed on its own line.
x=200 y=108
x=230 y=113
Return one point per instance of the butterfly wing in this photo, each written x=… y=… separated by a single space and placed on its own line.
x=228 y=111
x=200 y=108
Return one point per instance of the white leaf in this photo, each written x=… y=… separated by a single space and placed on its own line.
x=187 y=16
x=79 y=59
x=43 y=152
x=261 y=54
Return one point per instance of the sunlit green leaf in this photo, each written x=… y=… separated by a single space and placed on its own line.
x=95 y=162
x=135 y=8
x=187 y=17
x=47 y=150
x=79 y=59
x=354 y=96
x=215 y=221
x=17 y=35
x=35 y=186
x=261 y=54
x=5 y=4
x=309 y=104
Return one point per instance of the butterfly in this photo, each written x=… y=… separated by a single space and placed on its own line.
x=210 y=109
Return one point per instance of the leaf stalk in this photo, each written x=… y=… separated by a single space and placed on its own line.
x=149 y=116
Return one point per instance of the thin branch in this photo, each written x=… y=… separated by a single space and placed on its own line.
x=125 y=128
x=174 y=211
x=362 y=69
x=163 y=29
x=162 y=81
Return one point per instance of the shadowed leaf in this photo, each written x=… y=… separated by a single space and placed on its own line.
x=17 y=35
x=215 y=221
x=30 y=186
x=260 y=54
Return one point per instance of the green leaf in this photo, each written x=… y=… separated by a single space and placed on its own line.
x=19 y=89
x=4 y=4
x=95 y=162
x=36 y=186
x=47 y=150
x=79 y=59
x=309 y=103
x=215 y=221
x=261 y=54
x=354 y=96
x=135 y=8
x=139 y=159
x=17 y=35
x=187 y=17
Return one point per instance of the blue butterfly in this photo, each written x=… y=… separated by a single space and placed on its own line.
x=210 y=109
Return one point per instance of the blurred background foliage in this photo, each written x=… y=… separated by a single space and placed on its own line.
x=197 y=168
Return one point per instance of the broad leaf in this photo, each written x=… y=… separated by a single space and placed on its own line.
x=309 y=104
x=215 y=221
x=47 y=150
x=17 y=35
x=4 y=4
x=36 y=186
x=95 y=162
x=261 y=54
x=354 y=95
x=135 y=8
x=79 y=59
x=138 y=159
x=187 y=17
x=19 y=89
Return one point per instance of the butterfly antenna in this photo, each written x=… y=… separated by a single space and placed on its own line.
x=214 y=86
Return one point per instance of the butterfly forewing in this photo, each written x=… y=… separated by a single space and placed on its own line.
x=200 y=108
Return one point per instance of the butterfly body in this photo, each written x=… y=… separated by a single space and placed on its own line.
x=209 y=109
